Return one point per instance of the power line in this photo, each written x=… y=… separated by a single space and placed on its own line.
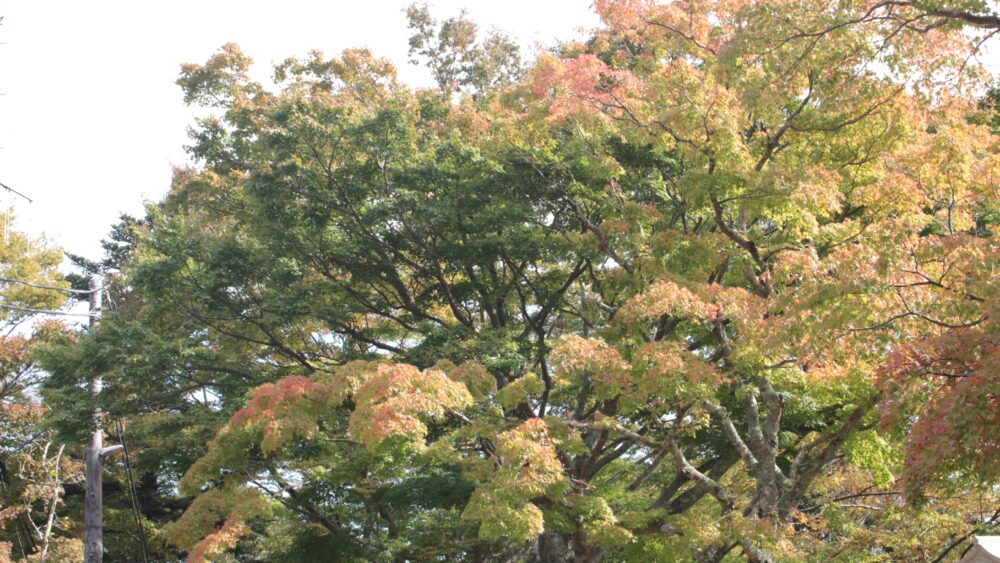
x=42 y=311
x=50 y=287
x=13 y=191
x=132 y=491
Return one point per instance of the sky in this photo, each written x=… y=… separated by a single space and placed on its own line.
x=91 y=121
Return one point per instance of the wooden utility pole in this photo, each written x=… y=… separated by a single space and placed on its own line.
x=93 y=517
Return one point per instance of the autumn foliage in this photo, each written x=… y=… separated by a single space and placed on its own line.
x=718 y=282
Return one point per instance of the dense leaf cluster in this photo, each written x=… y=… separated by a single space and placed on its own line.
x=718 y=282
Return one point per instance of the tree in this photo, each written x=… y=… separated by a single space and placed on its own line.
x=34 y=471
x=26 y=263
x=715 y=283
x=33 y=468
x=456 y=57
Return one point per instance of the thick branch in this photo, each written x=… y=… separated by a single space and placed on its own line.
x=689 y=471
x=720 y=414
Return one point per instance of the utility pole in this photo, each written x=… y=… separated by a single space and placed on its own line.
x=93 y=516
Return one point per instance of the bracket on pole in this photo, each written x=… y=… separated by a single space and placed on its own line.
x=111 y=449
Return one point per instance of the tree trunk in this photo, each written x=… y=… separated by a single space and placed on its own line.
x=551 y=547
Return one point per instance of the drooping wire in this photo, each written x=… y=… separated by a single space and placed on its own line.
x=42 y=311
x=109 y=299
x=50 y=287
x=46 y=287
x=132 y=491
x=15 y=192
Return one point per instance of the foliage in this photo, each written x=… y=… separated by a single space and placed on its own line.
x=31 y=260
x=718 y=282
x=34 y=523
x=455 y=56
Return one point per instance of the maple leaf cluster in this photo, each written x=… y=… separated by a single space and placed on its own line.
x=718 y=282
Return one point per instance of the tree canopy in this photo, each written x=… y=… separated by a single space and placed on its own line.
x=717 y=283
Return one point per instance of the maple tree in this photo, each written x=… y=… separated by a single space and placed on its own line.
x=34 y=472
x=33 y=260
x=718 y=282
x=33 y=469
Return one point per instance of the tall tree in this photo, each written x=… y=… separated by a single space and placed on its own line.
x=717 y=282
x=456 y=56
x=33 y=467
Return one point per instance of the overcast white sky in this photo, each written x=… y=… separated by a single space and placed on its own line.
x=91 y=120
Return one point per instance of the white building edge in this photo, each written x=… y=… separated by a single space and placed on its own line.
x=985 y=549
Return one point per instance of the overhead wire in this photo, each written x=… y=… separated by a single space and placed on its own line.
x=13 y=191
x=3 y=470
x=42 y=311
x=133 y=494
x=132 y=491
x=19 y=523
x=7 y=211
x=50 y=287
